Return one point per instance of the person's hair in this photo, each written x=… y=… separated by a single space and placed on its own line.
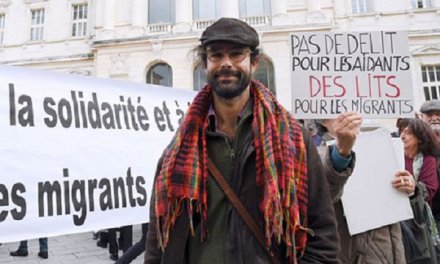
x=423 y=132
x=401 y=123
x=201 y=57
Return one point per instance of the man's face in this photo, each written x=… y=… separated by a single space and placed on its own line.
x=433 y=118
x=229 y=68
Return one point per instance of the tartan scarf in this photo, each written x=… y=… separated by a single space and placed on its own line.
x=281 y=172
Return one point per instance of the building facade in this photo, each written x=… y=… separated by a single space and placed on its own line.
x=153 y=40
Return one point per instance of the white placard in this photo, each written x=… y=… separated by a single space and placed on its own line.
x=79 y=153
x=369 y=200
x=365 y=72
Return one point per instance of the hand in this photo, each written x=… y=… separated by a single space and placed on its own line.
x=345 y=128
x=404 y=182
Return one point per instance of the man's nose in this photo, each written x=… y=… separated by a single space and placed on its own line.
x=226 y=61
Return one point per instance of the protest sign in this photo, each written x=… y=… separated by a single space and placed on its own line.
x=369 y=199
x=365 y=72
x=79 y=153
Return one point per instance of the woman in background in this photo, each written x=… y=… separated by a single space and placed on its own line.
x=420 y=146
x=419 y=181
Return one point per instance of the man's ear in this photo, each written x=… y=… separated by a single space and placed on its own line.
x=254 y=64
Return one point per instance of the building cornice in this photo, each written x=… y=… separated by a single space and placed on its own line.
x=195 y=35
x=143 y=39
x=76 y=57
x=428 y=33
x=33 y=1
x=427 y=50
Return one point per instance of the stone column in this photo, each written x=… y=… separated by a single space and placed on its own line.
x=183 y=16
x=314 y=12
x=138 y=15
x=99 y=13
x=340 y=8
x=279 y=12
x=109 y=19
x=229 y=8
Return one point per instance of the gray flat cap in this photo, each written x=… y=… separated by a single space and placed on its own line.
x=231 y=30
x=430 y=106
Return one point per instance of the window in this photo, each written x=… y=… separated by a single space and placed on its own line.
x=161 y=12
x=421 y=3
x=361 y=6
x=265 y=74
x=431 y=81
x=2 y=27
x=199 y=77
x=37 y=24
x=205 y=9
x=160 y=74
x=254 y=8
x=79 y=20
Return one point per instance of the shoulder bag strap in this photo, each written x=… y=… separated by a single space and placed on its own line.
x=241 y=210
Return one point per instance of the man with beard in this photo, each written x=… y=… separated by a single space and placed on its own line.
x=269 y=161
x=431 y=114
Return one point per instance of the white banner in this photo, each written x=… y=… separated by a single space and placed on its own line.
x=365 y=72
x=79 y=153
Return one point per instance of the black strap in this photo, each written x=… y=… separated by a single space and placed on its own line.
x=241 y=210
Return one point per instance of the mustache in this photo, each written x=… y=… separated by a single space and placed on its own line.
x=227 y=72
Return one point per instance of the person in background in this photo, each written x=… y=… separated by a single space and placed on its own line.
x=22 y=250
x=270 y=162
x=124 y=241
x=135 y=250
x=401 y=123
x=312 y=127
x=431 y=114
x=102 y=238
x=381 y=245
x=420 y=175
x=420 y=146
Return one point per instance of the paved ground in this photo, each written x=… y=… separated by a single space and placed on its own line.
x=69 y=249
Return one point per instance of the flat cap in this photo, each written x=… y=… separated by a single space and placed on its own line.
x=430 y=106
x=231 y=30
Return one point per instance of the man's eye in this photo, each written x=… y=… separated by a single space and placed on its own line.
x=216 y=55
x=236 y=54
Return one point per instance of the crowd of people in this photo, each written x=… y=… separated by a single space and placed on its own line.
x=411 y=241
x=124 y=242
x=276 y=194
x=236 y=138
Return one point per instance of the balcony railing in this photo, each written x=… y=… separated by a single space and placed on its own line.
x=202 y=24
x=199 y=25
x=159 y=28
x=257 y=20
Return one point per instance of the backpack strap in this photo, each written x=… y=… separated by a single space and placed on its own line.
x=241 y=210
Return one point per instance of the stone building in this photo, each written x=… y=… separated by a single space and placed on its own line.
x=152 y=40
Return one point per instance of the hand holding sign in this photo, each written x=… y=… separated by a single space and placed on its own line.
x=346 y=128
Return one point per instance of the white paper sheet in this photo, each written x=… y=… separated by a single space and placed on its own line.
x=369 y=199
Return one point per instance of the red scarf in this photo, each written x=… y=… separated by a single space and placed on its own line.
x=281 y=171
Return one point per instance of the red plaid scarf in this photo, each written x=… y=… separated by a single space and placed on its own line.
x=281 y=171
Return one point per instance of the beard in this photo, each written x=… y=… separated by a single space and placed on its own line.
x=229 y=89
x=436 y=128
